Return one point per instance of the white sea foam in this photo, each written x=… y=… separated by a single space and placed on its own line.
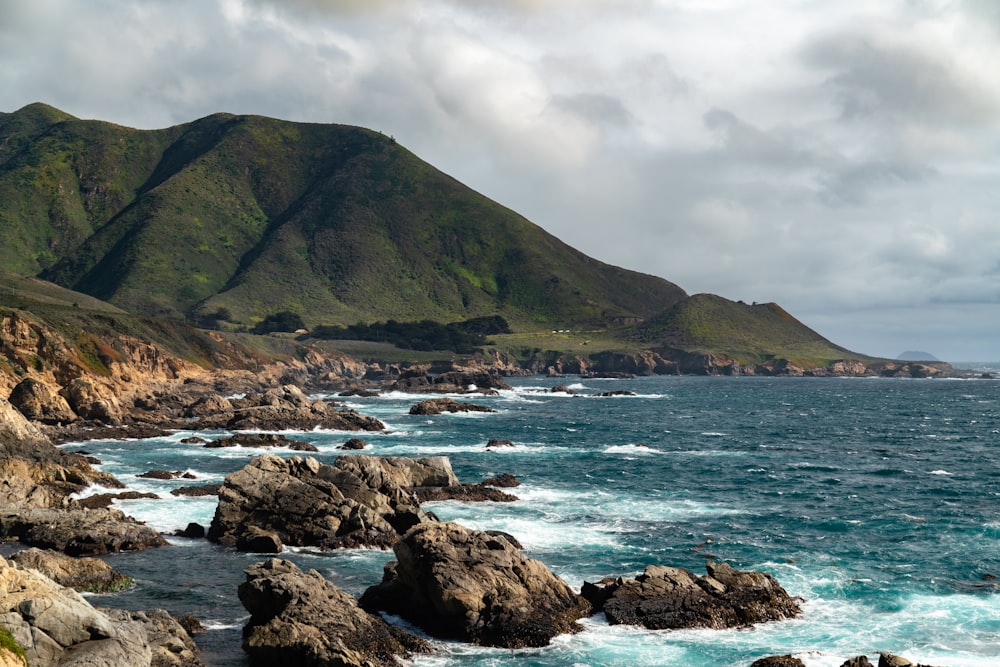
x=941 y=472
x=641 y=450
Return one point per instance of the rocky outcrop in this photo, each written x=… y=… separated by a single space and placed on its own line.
x=435 y=406
x=262 y=440
x=465 y=584
x=673 y=598
x=356 y=503
x=92 y=401
x=300 y=618
x=453 y=380
x=91 y=532
x=56 y=627
x=89 y=575
x=170 y=643
x=39 y=402
x=778 y=661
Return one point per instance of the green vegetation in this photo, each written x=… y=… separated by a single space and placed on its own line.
x=8 y=642
x=283 y=321
x=462 y=337
x=751 y=334
x=255 y=216
x=244 y=223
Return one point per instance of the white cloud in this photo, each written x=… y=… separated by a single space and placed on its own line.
x=833 y=157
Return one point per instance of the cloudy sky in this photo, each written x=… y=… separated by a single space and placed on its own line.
x=839 y=158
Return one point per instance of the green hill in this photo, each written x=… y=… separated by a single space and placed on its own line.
x=253 y=216
x=706 y=323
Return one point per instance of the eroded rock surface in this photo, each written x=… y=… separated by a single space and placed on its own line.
x=300 y=618
x=465 y=584
x=357 y=502
x=673 y=598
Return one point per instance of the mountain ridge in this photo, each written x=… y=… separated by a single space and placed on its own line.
x=230 y=219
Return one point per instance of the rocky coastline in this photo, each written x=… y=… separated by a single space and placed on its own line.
x=474 y=586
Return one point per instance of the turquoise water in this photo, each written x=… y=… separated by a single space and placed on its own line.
x=876 y=501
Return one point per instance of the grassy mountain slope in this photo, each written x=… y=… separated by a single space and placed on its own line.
x=254 y=215
x=706 y=323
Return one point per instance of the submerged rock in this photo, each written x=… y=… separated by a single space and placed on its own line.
x=672 y=598
x=300 y=618
x=465 y=584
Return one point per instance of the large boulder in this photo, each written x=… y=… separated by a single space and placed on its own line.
x=92 y=401
x=465 y=584
x=55 y=626
x=78 y=532
x=40 y=402
x=305 y=503
x=89 y=575
x=300 y=618
x=672 y=598
x=170 y=644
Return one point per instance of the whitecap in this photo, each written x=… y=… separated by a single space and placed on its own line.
x=642 y=450
x=941 y=472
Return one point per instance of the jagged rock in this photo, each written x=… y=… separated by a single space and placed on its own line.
x=673 y=598
x=497 y=442
x=504 y=480
x=166 y=474
x=561 y=389
x=102 y=500
x=420 y=380
x=209 y=406
x=860 y=661
x=193 y=530
x=169 y=641
x=778 y=661
x=617 y=392
x=464 y=584
x=357 y=502
x=57 y=627
x=890 y=660
x=40 y=402
x=300 y=618
x=354 y=444
x=262 y=440
x=34 y=473
x=259 y=541
x=92 y=401
x=78 y=532
x=435 y=406
x=195 y=491
x=275 y=418
x=90 y=575
x=465 y=492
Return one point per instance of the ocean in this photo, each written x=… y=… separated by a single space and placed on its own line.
x=877 y=501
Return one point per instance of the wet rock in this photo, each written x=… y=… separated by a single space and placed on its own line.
x=300 y=618
x=196 y=491
x=464 y=584
x=778 y=661
x=193 y=530
x=435 y=406
x=860 y=661
x=102 y=500
x=262 y=440
x=497 y=442
x=504 y=481
x=354 y=444
x=673 y=598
